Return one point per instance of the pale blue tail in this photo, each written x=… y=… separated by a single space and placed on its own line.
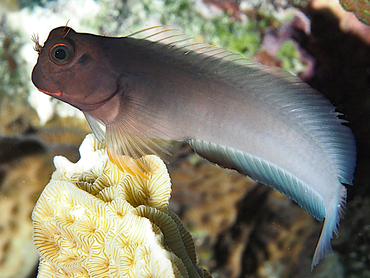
x=333 y=214
x=284 y=182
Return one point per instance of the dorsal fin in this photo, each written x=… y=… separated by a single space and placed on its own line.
x=162 y=33
x=272 y=85
x=174 y=37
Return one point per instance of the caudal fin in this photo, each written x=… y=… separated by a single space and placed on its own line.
x=333 y=214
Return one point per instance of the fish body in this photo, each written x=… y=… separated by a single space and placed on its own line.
x=259 y=120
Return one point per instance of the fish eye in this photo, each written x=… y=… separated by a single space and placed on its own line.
x=61 y=54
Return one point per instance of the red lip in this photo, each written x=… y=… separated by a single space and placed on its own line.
x=58 y=94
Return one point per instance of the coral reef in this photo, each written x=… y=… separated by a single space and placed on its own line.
x=16 y=115
x=361 y=8
x=23 y=169
x=228 y=215
x=63 y=130
x=348 y=22
x=26 y=152
x=92 y=220
x=241 y=228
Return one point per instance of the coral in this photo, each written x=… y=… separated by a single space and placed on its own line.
x=207 y=198
x=63 y=130
x=92 y=220
x=17 y=117
x=348 y=22
x=361 y=8
x=24 y=168
x=242 y=228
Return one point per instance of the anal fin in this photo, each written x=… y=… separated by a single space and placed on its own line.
x=264 y=172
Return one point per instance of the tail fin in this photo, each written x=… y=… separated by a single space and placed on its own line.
x=334 y=211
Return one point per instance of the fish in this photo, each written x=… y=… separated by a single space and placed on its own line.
x=156 y=85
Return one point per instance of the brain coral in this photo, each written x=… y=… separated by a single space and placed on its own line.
x=93 y=220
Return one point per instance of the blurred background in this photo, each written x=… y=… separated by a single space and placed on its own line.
x=241 y=228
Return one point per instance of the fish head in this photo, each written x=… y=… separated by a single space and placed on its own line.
x=72 y=67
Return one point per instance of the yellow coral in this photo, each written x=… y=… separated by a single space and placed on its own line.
x=93 y=220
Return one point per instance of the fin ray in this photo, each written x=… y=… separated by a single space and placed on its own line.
x=127 y=142
x=331 y=223
x=279 y=89
x=264 y=172
x=284 y=182
x=95 y=127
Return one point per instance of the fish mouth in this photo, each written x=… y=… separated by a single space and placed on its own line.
x=40 y=81
x=47 y=86
x=57 y=94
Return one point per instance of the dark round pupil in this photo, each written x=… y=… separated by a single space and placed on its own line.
x=60 y=54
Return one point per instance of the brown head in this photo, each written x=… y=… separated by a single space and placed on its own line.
x=72 y=67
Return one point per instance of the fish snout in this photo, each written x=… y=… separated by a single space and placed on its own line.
x=37 y=76
x=43 y=84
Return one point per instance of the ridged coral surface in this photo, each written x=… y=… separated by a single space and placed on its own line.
x=92 y=220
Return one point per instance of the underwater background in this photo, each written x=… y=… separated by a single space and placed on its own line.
x=240 y=228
